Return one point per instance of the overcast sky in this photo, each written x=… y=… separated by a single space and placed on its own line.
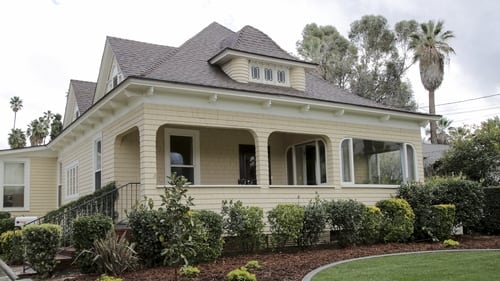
x=45 y=43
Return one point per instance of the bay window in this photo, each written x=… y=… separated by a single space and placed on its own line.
x=377 y=162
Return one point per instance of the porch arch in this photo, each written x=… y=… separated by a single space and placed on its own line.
x=127 y=157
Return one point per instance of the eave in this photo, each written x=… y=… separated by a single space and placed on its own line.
x=228 y=54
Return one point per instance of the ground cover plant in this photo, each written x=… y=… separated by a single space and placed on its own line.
x=444 y=266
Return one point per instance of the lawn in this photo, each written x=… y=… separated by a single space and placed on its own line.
x=443 y=266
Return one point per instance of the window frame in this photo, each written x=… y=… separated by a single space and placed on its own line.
x=71 y=189
x=97 y=167
x=318 y=167
x=404 y=164
x=195 y=135
x=26 y=184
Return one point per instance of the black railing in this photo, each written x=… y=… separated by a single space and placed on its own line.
x=114 y=204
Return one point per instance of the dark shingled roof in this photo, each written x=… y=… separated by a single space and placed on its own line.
x=84 y=93
x=188 y=64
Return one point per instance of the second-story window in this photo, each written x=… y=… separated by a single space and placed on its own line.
x=281 y=76
x=271 y=74
x=268 y=74
x=255 y=72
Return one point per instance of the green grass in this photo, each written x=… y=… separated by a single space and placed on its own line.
x=444 y=266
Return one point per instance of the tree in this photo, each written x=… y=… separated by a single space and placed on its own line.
x=430 y=49
x=17 y=139
x=56 y=126
x=443 y=131
x=476 y=155
x=15 y=104
x=36 y=132
x=334 y=54
x=371 y=63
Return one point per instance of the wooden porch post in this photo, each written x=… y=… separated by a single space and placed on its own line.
x=262 y=158
x=147 y=136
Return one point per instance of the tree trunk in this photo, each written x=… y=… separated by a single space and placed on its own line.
x=15 y=113
x=432 y=111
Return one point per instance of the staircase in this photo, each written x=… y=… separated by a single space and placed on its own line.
x=114 y=204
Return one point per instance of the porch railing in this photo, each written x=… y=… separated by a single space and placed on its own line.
x=114 y=204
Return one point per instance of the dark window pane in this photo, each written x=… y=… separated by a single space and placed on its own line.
x=322 y=161
x=187 y=172
x=97 y=180
x=247 y=165
x=289 y=165
x=13 y=196
x=181 y=150
x=311 y=163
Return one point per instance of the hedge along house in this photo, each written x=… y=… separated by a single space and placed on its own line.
x=234 y=113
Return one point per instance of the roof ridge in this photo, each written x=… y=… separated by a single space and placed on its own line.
x=137 y=41
x=157 y=65
x=78 y=80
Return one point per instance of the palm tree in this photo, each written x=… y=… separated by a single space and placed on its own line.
x=17 y=138
x=56 y=126
x=430 y=49
x=36 y=132
x=443 y=129
x=15 y=104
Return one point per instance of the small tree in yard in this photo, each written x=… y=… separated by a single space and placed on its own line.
x=176 y=206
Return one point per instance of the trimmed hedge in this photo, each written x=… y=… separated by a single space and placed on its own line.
x=11 y=246
x=286 y=222
x=207 y=239
x=397 y=220
x=244 y=222
x=314 y=222
x=442 y=221
x=346 y=219
x=370 y=229
x=491 y=221
x=421 y=197
x=86 y=230
x=41 y=243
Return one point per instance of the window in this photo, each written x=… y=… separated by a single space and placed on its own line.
x=306 y=163
x=115 y=77
x=273 y=74
x=72 y=180
x=268 y=74
x=182 y=147
x=14 y=180
x=281 y=76
x=377 y=162
x=97 y=163
x=247 y=164
x=255 y=73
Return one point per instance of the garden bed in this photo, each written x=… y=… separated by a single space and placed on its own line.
x=292 y=264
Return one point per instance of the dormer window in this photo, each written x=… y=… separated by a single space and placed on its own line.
x=115 y=77
x=273 y=74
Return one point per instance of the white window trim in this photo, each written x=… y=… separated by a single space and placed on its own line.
x=262 y=70
x=196 y=150
x=404 y=164
x=114 y=72
x=318 y=162
x=94 y=159
x=27 y=172
x=70 y=166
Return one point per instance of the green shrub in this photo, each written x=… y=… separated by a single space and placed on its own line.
x=314 y=222
x=450 y=243
x=6 y=224
x=4 y=215
x=208 y=241
x=11 y=246
x=397 y=220
x=491 y=220
x=241 y=274
x=146 y=227
x=189 y=271
x=246 y=223
x=114 y=255
x=441 y=221
x=105 y=277
x=370 y=227
x=253 y=265
x=41 y=243
x=346 y=219
x=285 y=221
x=421 y=197
x=86 y=230
x=467 y=196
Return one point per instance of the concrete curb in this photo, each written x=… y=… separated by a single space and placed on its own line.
x=311 y=274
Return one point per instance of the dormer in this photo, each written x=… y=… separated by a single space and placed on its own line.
x=251 y=56
x=79 y=100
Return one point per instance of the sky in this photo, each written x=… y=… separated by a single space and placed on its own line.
x=45 y=43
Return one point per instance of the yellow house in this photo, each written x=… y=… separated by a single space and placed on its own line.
x=234 y=113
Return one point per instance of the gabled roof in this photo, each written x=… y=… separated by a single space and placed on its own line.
x=84 y=94
x=189 y=64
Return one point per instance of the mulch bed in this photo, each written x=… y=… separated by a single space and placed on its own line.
x=293 y=264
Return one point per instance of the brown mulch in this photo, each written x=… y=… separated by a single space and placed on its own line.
x=293 y=264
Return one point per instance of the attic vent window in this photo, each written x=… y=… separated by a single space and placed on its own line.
x=273 y=74
x=255 y=73
x=115 y=77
